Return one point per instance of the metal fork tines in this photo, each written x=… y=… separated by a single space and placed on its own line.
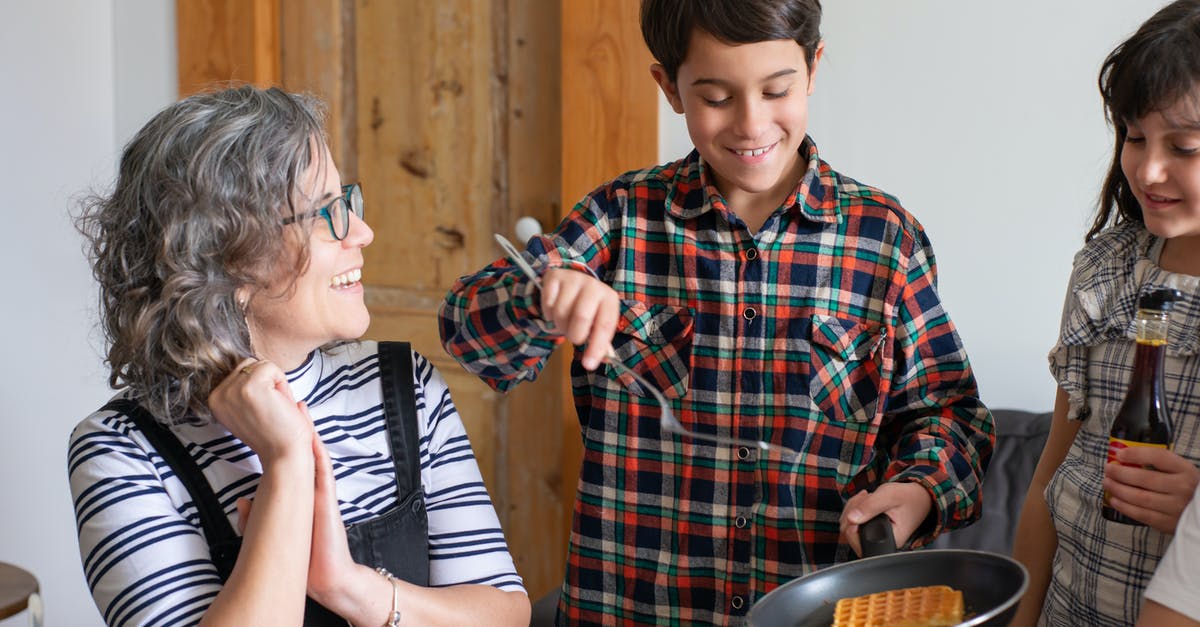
x=669 y=423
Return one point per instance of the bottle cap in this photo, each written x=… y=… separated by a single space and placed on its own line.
x=1159 y=299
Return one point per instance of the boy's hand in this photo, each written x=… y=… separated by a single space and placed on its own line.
x=1155 y=496
x=583 y=309
x=907 y=504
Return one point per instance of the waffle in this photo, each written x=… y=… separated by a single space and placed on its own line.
x=928 y=606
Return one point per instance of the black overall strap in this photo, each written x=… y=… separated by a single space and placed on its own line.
x=400 y=410
x=223 y=542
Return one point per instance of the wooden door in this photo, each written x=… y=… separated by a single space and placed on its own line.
x=458 y=117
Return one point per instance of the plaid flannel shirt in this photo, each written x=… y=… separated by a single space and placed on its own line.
x=1101 y=567
x=822 y=332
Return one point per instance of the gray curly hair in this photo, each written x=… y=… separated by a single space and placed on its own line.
x=194 y=220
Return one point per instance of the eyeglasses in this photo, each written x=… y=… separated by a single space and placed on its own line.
x=669 y=422
x=337 y=213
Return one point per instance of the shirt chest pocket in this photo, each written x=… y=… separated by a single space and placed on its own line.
x=656 y=342
x=844 y=368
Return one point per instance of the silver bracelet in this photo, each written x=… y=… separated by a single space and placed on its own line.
x=393 y=619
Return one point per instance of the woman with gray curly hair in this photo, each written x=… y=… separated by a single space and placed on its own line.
x=229 y=258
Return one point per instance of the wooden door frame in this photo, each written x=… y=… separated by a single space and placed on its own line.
x=609 y=126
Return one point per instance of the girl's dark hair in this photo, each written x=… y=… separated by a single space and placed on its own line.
x=1152 y=71
x=194 y=219
x=667 y=25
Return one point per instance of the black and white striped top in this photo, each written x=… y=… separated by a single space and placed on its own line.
x=144 y=557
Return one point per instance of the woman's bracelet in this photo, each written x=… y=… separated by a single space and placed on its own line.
x=393 y=619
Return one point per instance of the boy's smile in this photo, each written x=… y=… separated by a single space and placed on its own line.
x=746 y=108
x=754 y=155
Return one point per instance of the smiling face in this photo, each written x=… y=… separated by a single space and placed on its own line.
x=746 y=108
x=325 y=303
x=1161 y=161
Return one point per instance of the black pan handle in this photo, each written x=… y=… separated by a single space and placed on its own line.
x=876 y=536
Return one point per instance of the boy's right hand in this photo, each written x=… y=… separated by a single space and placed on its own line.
x=906 y=503
x=582 y=308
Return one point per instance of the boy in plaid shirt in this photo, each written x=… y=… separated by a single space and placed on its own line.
x=768 y=297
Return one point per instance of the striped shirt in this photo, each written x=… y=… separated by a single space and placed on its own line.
x=144 y=556
x=1101 y=567
x=822 y=332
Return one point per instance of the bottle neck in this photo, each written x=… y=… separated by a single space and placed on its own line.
x=1151 y=348
x=1147 y=365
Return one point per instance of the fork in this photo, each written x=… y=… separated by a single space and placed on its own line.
x=669 y=423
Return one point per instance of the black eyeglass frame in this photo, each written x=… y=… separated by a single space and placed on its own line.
x=350 y=200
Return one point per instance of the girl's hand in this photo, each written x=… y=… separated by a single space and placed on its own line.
x=1157 y=495
x=907 y=504
x=582 y=308
x=255 y=403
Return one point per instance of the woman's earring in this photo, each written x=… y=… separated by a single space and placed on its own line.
x=242 y=304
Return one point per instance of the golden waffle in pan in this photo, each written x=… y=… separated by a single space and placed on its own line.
x=927 y=606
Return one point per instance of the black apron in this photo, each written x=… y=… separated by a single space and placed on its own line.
x=397 y=541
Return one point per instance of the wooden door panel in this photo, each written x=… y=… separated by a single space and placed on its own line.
x=540 y=477
x=426 y=138
x=411 y=318
x=610 y=102
x=226 y=40
x=539 y=472
x=317 y=56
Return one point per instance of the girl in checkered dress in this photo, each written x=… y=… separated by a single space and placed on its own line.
x=1085 y=569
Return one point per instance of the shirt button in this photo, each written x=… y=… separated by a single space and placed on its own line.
x=743 y=453
x=740 y=522
x=749 y=313
x=737 y=602
x=752 y=254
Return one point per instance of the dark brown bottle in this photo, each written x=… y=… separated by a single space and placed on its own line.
x=1142 y=419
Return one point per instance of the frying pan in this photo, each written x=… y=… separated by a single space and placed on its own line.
x=991 y=583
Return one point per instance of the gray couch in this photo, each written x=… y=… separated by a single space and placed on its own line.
x=1020 y=436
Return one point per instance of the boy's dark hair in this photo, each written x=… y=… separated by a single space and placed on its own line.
x=1155 y=69
x=667 y=25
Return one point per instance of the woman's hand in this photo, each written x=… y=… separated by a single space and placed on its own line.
x=907 y=504
x=1154 y=495
x=582 y=308
x=329 y=557
x=255 y=403
x=268 y=582
x=330 y=560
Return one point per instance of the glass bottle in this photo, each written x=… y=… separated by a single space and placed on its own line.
x=1142 y=419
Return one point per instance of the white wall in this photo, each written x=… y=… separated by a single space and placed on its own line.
x=985 y=120
x=76 y=74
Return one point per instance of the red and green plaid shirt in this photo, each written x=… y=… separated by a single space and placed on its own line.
x=822 y=332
